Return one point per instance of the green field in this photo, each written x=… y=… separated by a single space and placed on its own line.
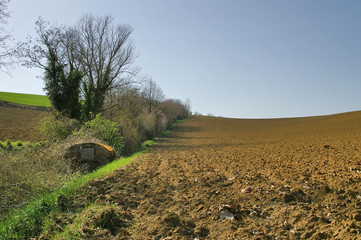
x=26 y=99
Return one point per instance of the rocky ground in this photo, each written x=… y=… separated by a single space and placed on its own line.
x=216 y=178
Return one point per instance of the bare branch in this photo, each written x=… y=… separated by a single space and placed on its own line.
x=95 y=46
x=8 y=47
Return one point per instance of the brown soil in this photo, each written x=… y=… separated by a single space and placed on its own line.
x=19 y=124
x=216 y=178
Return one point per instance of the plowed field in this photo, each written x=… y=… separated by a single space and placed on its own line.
x=20 y=124
x=217 y=178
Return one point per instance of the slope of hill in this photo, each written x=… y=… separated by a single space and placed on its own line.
x=20 y=124
x=25 y=99
x=218 y=178
x=19 y=114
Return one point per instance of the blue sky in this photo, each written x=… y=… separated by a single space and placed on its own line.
x=234 y=58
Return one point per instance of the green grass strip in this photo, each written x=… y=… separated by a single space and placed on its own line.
x=26 y=99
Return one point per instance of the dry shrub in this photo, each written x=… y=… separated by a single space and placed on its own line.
x=132 y=139
x=174 y=110
x=34 y=170
x=161 y=123
x=147 y=124
x=137 y=129
x=130 y=132
x=152 y=124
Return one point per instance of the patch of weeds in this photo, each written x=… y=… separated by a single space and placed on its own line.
x=13 y=228
x=147 y=144
x=98 y=221
x=166 y=133
x=7 y=145
x=20 y=145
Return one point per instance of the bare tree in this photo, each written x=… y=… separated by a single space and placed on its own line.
x=96 y=47
x=152 y=94
x=105 y=54
x=174 y=109
x=50 y=40
x=126 y=98
x=7 y=50
x=187 y=104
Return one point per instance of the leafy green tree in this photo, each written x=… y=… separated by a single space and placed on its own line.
x=63 y=88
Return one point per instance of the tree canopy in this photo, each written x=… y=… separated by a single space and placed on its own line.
x=95 y=47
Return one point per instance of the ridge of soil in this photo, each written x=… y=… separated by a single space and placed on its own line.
x=217 y=178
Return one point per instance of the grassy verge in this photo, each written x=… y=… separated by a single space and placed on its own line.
x=26 y=99
x=26 y=222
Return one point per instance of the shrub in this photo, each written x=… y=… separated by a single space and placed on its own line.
x=57 y=127
x=132 y=139
x=152 y=124
x=8 y=146
x=18 y=144
x=106 y=130
x=161 y=123
x=130 y=132
x=147 y=125
x=174 y=110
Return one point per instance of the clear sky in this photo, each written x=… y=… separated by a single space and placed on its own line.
x=233 y=58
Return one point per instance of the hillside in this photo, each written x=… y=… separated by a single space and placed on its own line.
x=218 y=178
x=20 y=124
x=25 y=99
x=20 y=114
